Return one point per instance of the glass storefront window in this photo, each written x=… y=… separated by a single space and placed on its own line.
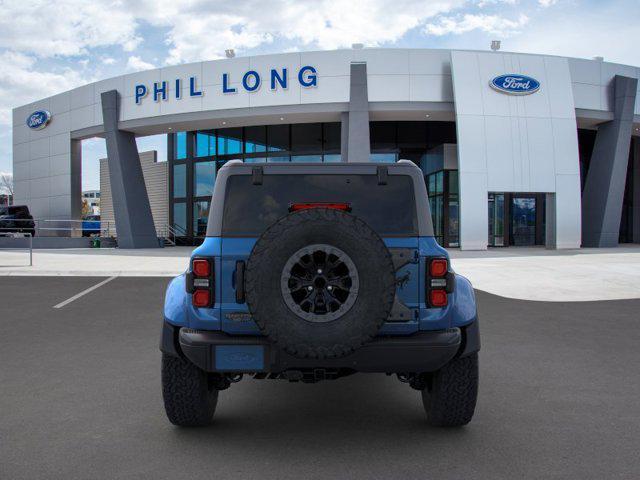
x=307 y=158
x=180 y=146
x=180 y=217
x=278 y=159
x=205 y=144
x=333 y=157
x=383 y=157
x=255 y=139
x=255 y=160
x=278 y=137
x=229 y=141
x=180 y=180
x=331 y=134
x=200 y=218
x=383 y=135
x=306 y=137
x=204 y=176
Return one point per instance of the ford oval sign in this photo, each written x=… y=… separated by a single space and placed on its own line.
x=515 y=84
x=38 y=120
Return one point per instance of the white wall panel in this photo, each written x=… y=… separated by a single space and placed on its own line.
x=39 y=168
x=568 y=211
x=468 y=87
x=147 y=78
x=473 y=210
x=498 y=147
x=384 y=61
x=20 y=133
x=39 y=188
x=329 y=90
x=429 y=62
x=541 y=157
x=82 y=96
x=39 y=148
x=585 y=71
x=60 y=206
x=60 y=103
x=509 y=144
x=329 y=64
x=565 y=152
x=240 y=99
x=21 y=171
x=116 y=83
x=474 y=148
x=60 y=165
x=212 y=71
x=20 y=152
x=587 y=96
x=39 y=207
x=388 y=88
x=430 y=88
x=83 y=117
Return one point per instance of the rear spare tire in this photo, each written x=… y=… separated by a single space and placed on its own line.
x=320 y=283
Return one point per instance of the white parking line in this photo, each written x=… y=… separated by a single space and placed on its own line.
x=82 y=293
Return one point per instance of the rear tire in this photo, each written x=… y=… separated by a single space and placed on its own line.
x=189 y=396
x=450 y=395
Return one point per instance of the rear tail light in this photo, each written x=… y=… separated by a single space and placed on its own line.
x=440 y=282
x=201 y=268
x=200 y=282
x=296 y=207
x=201 y=298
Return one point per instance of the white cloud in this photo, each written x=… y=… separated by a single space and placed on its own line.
x=66 y=27
x=21 y=83
x=493 y=24
x=325 y=24
x=135 y=64
x=547 y=3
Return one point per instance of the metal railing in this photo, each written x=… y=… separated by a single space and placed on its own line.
x=51 y=227
x=20 y=235
x=169 y=233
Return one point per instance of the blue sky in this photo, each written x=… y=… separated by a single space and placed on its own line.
x=51 y=46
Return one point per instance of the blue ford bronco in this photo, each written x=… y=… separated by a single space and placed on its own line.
x=313 y=272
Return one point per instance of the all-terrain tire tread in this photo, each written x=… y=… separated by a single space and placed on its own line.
x=189 y=400
x=451 y=400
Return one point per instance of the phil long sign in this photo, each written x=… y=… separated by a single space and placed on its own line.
x=515 y=84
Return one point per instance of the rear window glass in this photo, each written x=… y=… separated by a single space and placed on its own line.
x=388 y=209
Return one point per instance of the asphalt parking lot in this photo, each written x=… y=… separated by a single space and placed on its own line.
x=80 y=398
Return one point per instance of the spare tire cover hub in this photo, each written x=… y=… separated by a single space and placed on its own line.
x=319 y=283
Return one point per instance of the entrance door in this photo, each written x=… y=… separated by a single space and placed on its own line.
x=523 y=220
x=496 y=220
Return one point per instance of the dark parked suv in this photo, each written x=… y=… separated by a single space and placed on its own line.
x=16 y=218
x=314 y=272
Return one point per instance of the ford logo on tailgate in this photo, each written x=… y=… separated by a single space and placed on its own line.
x=515 y=84
x=38 y=119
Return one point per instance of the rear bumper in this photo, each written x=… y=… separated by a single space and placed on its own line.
x=422 y=352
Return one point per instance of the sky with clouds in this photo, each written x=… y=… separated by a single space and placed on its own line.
x=50 y=46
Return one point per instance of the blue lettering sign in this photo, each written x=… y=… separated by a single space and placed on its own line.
x=275 y=77
x=251 y=86
x=311 y=80
x=141 y=92
x=159 y=90
x=192 y=88
x=515 y=84
x=225 y=84
x=178 y=89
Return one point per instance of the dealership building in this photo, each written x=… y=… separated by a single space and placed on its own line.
x=516 y=149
